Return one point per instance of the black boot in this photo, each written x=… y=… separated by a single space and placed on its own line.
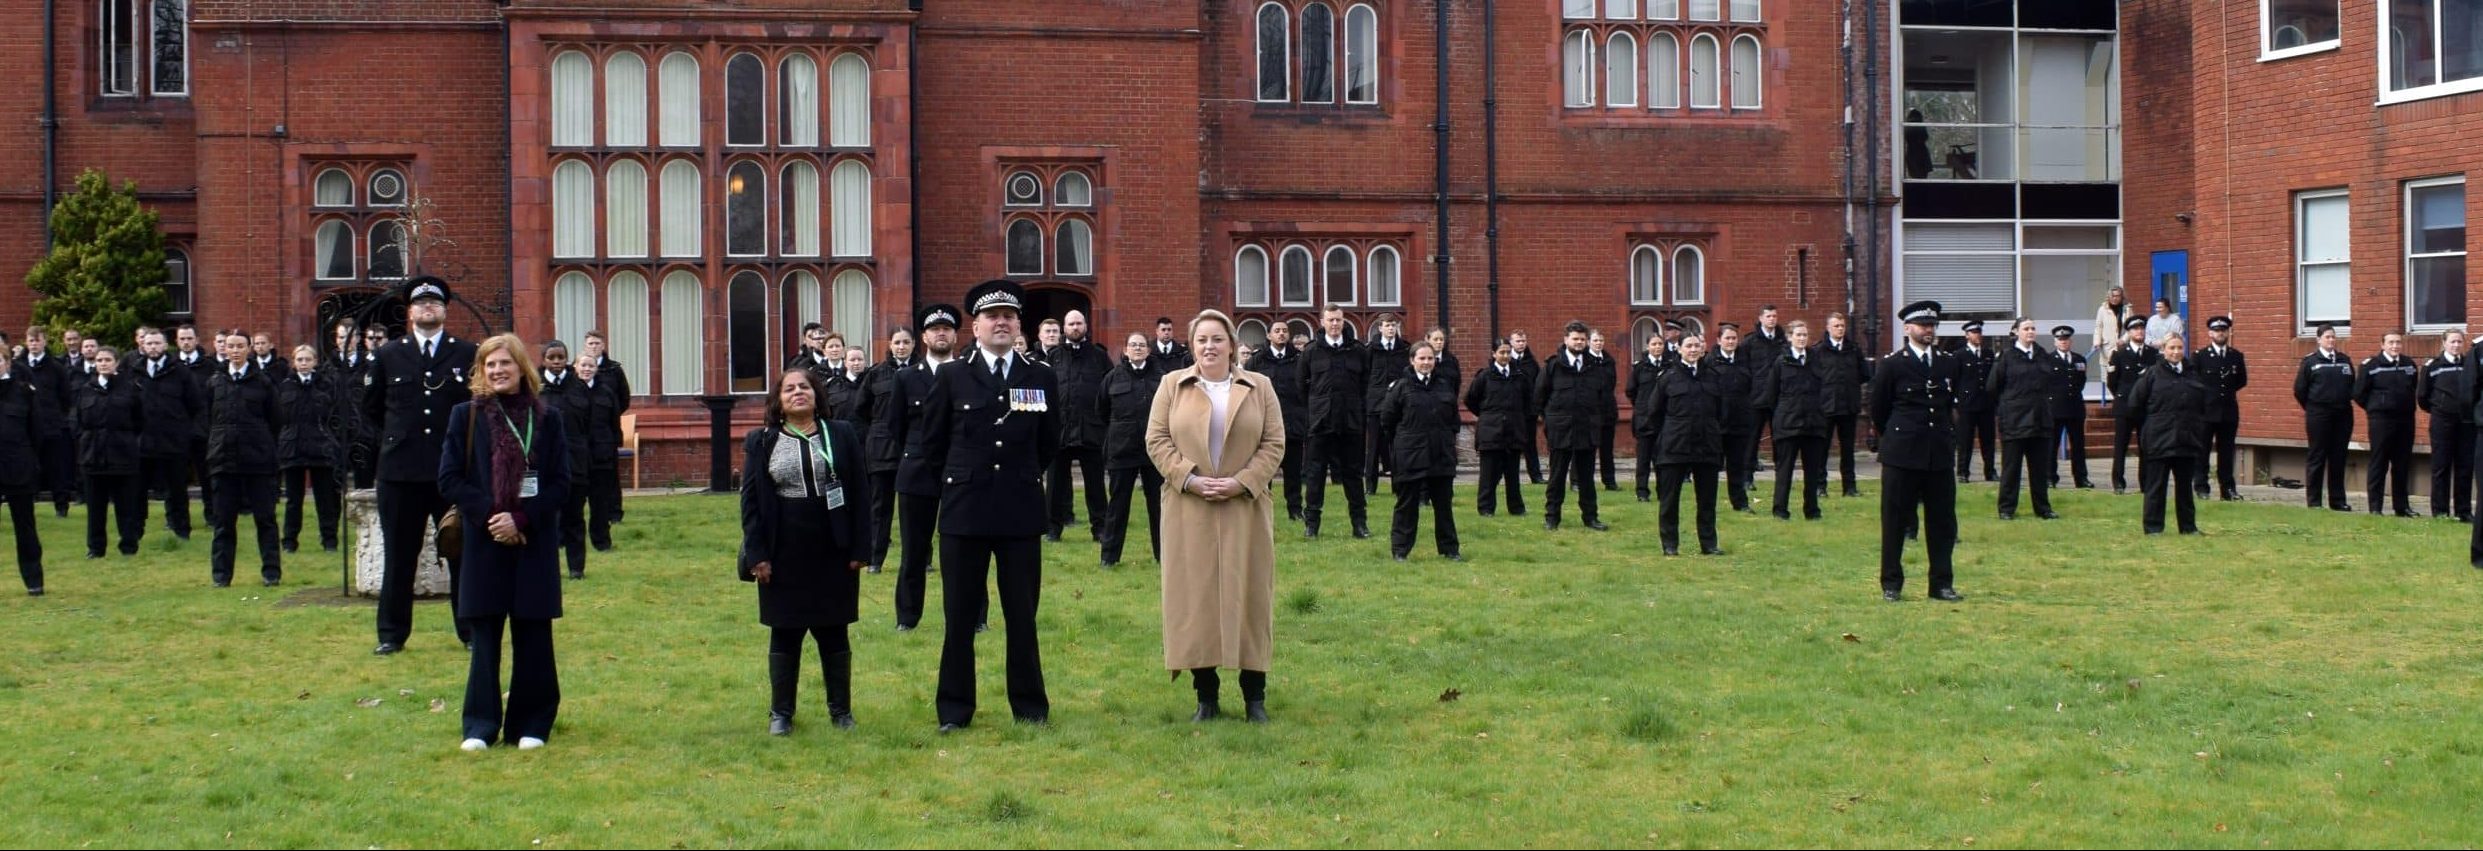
x=784 y=674
x=840 y=676
x=1206 y=682
x=1254 y=696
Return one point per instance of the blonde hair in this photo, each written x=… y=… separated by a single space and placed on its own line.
x=530 y=381
x=1210 y=315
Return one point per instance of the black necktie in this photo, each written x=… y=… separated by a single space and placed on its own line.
x=1000 y=369
x=426 y=349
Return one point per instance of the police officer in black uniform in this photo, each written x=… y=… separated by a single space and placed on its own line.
x=565 y=392
x=1334 y=375
x=1571 y=413
x=2130 y=359
x=1913 y=405
x=1690 y=401
x=26 y=412
x=2448 y=393
x=173 y=402
x=241 y=453
x=2226 y=372
x=1080 y=365
x=1128 y=396
x=51 y=376
x=2385 y=390
x=1791 y=391
x=1976 y=409
x=2068 y=408
x=2324 y=387
x=2171 y=399
x=1608 y=375
x=1389 y=358
x=917 y=481
x=1737 y=378
x=991 y=426
x=1847 y=370
x=2023 y=379
x=1418 y=428
x=412 y=383
x=1170 y=353
x=1643 y=425
x=1281 y=361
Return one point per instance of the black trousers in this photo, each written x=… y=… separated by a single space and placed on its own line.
x=2125 y=432
x=604 y=501
x=1374 y=456
x=883 y=513
x=2392 y=461
x=322 y=485
x=573 y=523
x=918 y=517
x=1571 y=468
x=1841 y=428
x=964 y=561
x=1337 y=456
x=1767 y=426
x=1090 y=463
x=126 y=502
x=1604 y=440
x=2331 y=429
x=534 y=679
x=29 y=543
x=1499 y=474
x=236 y=493
x=57 y=455
x=1112 y=527
x=1668 y=516
x=1292 y=467
x=2170 y=474
x=199 y=473
x=2070 y=436
x=2022 y=456
x=1903 y=491
x=404 y=509
x=1740 y=451
x=172 y=476
x=1534 y=452
x=1440 y=492
x=2452 y=467
x=2224 y=436
x=1811 y=454
x=364 y=459
x=1982 y=428
x=1645 y=464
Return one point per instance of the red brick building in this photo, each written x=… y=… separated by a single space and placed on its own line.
x=2310 y=157
x=698 y=179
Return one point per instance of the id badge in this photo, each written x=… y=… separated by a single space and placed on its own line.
x=526 y=488
x=835 y=496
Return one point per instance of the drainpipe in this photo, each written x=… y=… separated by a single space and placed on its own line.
x=1845 y=63
x=914 y=154
x=1491 y=163
x=51 y=120
x=1871 y=172
x=1439 y=166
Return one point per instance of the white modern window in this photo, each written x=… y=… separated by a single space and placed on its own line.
x=573 y=209
x=1745 y=11
x=332 y=188
x=1025 y=247
x=1338 y=284
x=1075 y=245
x=1646 y=276
x=625 y=209
x=573 y=100
x=1970 y=268
x=335 y=249
x=1747 y=80
x=745 y=333
x=1384 y=281
x=1621 y=10
x=2291 y=27
x=1703 y=71
x=1578 y=68
x=1318 y=53
x=1664 y=71
x=849 y=101
x=799 y=217
x=1250 y=277
x=745 y=100
x=625 y=101
x=745 y=210
x=849 y=208
x=1361 y=54
x=1293 y=284
x=1073 y=190
x=1275 y=52
x=573 y=307
x=797 y=93
x=851 y=291
x=2435 y=252
x=626 y=329
x=1689 y=275
x=2430 y=47
x=2323 y=257
x=681 y=229
x=387 y=245
x=685 y=334
x=177 y=296
x=678 y=92
x=1621 y=70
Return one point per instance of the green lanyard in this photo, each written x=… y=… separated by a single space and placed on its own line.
x=825 y=452
x=525 y=441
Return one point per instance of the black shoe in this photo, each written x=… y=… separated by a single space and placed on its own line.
x=2228 y=496
x=1397 y=556
x=2085 y=485
x=1645 y=498
x=1551 y=524
x=224 y=583
x=2008 y=515
x=1484 y=511
x=778 y=725
x=387 y=648
x=1110 y=563
x=2346 y=507
x=1597 y=525
x=905 y=627
x=1963 y=478
x=2048 y=514
x=871 y=568
x=1255 y=711
x=1611 y=488
x=1452 y=556
x=1052 y=537
x=271 y=583
x=1781 y=515
x=1892 y=595
x=2153 y=531
x=36 y=591
x=1948 y=595
x=1361 y=530
x=983 y=627
x=1035 y=720
x=1293 y=514
x=1670 y=551
x=947 y=727
x=1310 y=531
x=577 y=574
x=94 y=554
x=2407 y=513
x=1850 y=490
x=2193 y=531
x=1711 y=551
x=2118 y=490
x=1810 y=515
x=327 y=546
x=1209 y=711
x=1537 y=479
x=293 y=546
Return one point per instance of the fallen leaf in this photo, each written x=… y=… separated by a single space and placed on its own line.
x=2219 y=827
x=405 y=692
x=1451 y=696
x=302 y=696
x=438 y=705
x=1969 y=840
x=367 y=702
x=1850 y=637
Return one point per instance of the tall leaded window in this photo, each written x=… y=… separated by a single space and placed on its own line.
x=625 y=209
x=745 y=100
x=745 y=210
x=1250 y=276
x=573 y=100
x=573 y=209
x=746 y=332
x=797 y=96
x=1304 y=51
x=677 y=100
x=625 y=100
x=1610 y=48
x=685 y=334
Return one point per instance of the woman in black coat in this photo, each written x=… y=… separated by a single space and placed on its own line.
x=1689 y=401
x=805 y=535
x=1419 y=414
x=2170 y=401
x=25 y=414
x=505 y=464
x=241 y=455
x=109 y=414
x=306 y=446
x=564 y=391
x=606 y=399
x=2022 y=380
x=882 y=443
x=1500 y=398
x=1127 y=399
x=1795 y=387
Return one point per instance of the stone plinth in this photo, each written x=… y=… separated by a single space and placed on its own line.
x=362 y=515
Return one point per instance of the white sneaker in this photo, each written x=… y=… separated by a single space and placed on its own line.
x=527 y=743
x=473 y=745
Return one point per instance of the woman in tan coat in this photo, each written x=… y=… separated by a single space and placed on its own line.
x=1218 y=436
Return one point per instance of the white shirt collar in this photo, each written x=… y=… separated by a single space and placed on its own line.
x=421 y=341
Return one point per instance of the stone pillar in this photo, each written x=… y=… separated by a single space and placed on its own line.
x=369 y=565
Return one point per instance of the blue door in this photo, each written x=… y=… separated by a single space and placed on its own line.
x=2172 y=281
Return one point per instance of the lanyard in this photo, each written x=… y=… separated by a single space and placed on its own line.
x=525 y=441
x=821 y=448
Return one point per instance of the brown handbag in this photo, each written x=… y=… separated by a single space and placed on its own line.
x=450 y=541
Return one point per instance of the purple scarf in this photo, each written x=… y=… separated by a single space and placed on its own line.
x=508 y=460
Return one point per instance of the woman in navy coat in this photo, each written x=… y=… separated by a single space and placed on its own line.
x=805 y=537
x=505 y=464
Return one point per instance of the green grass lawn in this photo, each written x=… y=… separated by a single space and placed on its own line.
x=2296 y=678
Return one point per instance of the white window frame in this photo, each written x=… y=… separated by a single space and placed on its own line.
x=1043 y=247
x=573 y=109
x=1310 y=288
x=1357 y=53
x=1581 y=10
x=1664 y=78
x=105 y=37
x=1715 y=72
x=1353 y=277
x=1009 y=200
x=2405 y=200
x=1336 y=27
x=2387 y=45
x=2267 y=38
x=186 y=282
x=321 y=177
x=1068 y=227
x=1674 y=278
x=761 y=109
x=152 y=44
x=1396 y=266
x=1258 y=54
x=1624 y=76
x=2302 y=267
x=1267 y=278
x=1619 y=10
x=1732 y=11
x=766 y=206
x=625 y=95
x=1758 y=73
x=1578 y=72
x=1654 y=287
x=352 y=249
x=1060 y=195
x=370 y=189
x=371 y=245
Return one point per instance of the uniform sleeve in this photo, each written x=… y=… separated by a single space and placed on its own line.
x=2302 y=384
x=755 y=546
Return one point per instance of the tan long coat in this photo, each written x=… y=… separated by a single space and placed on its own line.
x=1219 y=557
